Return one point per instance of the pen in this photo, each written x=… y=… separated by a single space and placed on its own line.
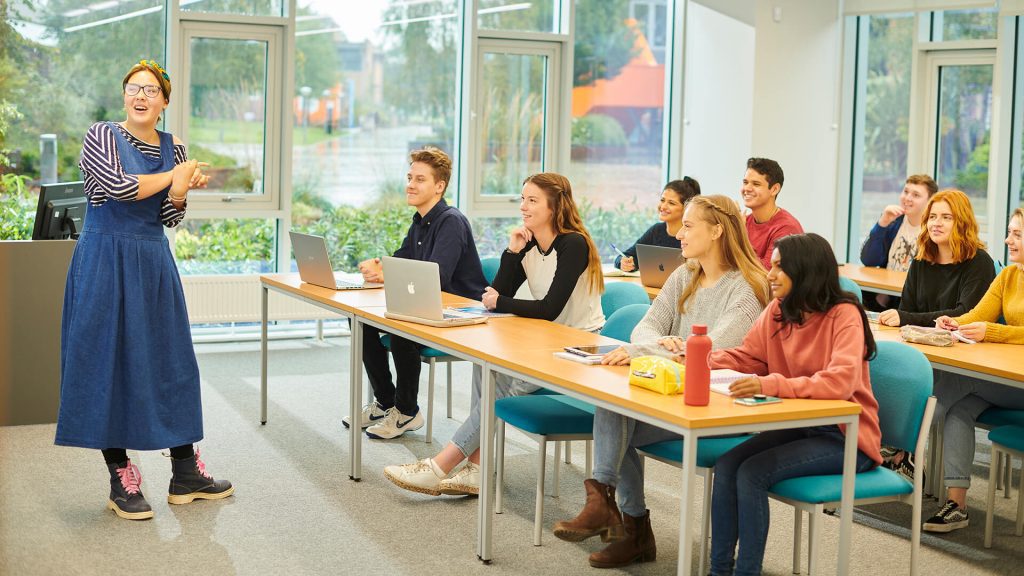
x=616 y=248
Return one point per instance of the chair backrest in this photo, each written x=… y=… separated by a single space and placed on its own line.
x=621 y=323
x=490 y=266
x=851 y=286
x=619 y=294
x=901 y=379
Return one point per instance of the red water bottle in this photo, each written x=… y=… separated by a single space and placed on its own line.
x=697 y=391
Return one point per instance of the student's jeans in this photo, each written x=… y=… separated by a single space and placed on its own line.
x=407 y=368
x=616 y=461
x=962 y=399
x=743 y=475
x=467 y=437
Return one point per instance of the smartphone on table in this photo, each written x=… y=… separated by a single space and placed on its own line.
x=757 y=400
x=591 y=350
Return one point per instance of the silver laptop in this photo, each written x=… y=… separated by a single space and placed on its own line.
x=412 y=292
x=315 y=265
x=657 y=263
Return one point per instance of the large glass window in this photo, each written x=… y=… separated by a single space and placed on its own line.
x=61 y=65
x=238 y=7
x=882 y=118
x=368 y=90
x=226 y=246
x=618 y=109
x=975 y=24
x=536 y=16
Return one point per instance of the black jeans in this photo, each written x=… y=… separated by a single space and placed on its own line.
x=407 y=367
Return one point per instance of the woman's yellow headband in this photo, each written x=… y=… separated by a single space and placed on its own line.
x=157 y=67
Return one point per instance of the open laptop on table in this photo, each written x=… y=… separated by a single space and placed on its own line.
x=657 y=263
x=315 y=265
x=412 y=292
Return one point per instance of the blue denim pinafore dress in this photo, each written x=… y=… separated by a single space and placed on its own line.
x=129 y=377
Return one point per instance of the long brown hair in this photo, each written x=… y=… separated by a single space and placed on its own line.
x=566 y=218
x=964 y=242
x=735 y=249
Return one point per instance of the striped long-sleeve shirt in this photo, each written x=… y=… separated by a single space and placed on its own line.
x=105 y=179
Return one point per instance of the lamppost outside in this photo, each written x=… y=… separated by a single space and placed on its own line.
x=305 y=91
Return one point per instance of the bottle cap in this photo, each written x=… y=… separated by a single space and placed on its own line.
x=699 y=329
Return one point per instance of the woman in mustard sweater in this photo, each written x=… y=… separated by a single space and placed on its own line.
x=963 y=398
x=812 y=341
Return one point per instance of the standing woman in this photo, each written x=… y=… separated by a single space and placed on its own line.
x=963 y=398
x=670 y=213
x=812 y=341
x=129 y=378
x=552 y=253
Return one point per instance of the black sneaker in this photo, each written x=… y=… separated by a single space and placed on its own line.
x=126 y=499
x=950 y=517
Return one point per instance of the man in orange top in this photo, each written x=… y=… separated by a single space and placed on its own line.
x=767 y=222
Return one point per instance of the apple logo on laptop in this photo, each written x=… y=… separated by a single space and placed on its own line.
x=661 y=267
x=411 y=288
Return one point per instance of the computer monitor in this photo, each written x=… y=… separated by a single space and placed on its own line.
x=61 y=211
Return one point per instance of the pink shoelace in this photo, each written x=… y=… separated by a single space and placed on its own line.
x=202 y=466
x=130 y=477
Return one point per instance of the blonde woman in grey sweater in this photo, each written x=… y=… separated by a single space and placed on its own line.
x=723 y=286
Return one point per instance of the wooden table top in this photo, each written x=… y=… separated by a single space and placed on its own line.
x=985 y=358
x=870 y=277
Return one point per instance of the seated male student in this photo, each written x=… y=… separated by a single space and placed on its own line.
x=767 y=222
x=438 y=233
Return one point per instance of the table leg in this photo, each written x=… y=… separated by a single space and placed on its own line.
x=486 y=510
x=687 y=497
x=355 y=397
x=846 y=503
x=263 y=356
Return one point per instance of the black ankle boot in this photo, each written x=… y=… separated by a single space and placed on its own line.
x=189 y=481
x=126 y=499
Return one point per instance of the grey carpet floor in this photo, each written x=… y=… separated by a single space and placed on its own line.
x=296 y=512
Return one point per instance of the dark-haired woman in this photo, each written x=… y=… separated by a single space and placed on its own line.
x=812 y=341
x=670 y=215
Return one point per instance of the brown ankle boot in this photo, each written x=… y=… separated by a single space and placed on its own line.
x=638 y=545
x=600 y=515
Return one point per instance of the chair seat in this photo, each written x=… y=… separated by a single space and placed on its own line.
x=425 y=352
x=1002 y=417
x=1010 y=436
x=823 y=489
x=709 y=450
x=543 y=414
x=575 y=403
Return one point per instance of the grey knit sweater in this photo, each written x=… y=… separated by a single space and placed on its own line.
x=728 y=308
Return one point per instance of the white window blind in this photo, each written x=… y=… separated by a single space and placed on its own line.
x=855 y=7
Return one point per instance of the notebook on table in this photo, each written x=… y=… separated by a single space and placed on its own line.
x=657 y=263
x=315 y=265
x=722 y=378
x=412 y=293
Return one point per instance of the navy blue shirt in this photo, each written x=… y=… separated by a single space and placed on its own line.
x=444 y=236
x=656 y=235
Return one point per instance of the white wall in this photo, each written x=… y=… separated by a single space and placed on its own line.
x=719 y=99
x=796 y=104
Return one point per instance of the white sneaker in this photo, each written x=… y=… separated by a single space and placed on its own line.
x=465 y=481
x=423 y=476
x=371 y=413
x=394 y=424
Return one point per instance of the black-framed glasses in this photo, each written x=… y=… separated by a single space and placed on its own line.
x=150 y=90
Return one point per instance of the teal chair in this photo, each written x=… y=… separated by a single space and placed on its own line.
x=490 y=266
x=851 y=286
x=901 y=378
x=994 y=418
x=1006 y=441
x=553 y=418
x=619 y=294
x=709 y=450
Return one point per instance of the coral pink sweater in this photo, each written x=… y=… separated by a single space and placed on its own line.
x=823 y=358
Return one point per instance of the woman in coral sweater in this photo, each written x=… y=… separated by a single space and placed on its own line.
x=812 y=341
x=962 y=398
